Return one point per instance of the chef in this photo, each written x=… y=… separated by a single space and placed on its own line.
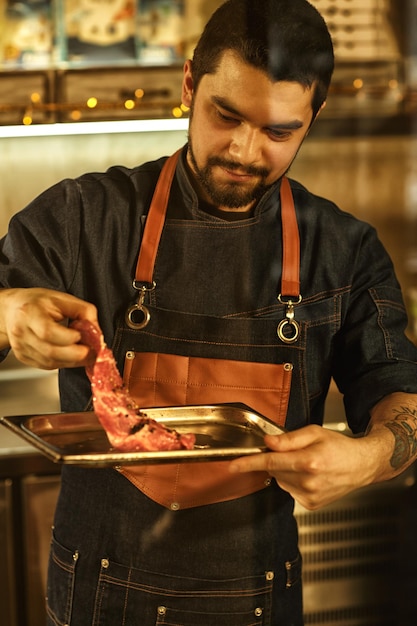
x=215 y=279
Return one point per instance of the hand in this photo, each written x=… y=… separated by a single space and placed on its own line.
x=314 y=464
x=31 y=324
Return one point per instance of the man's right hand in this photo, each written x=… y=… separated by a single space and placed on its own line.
x=33 y=324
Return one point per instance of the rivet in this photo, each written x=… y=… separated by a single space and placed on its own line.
x=105 y=563
x=130 y=355
x=162 y=610
x=268 y=482
x=75 y=556
x=288 y=367
x=258 y=612
x=174 y=506
x=269 y=575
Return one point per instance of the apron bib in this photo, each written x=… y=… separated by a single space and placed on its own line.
x=173 y=358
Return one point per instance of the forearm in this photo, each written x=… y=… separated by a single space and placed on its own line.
x=393 y=430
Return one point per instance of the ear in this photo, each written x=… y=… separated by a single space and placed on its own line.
x=320 y=109
x=187 y=84
x=317 y=114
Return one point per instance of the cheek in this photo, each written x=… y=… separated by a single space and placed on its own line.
x=281 y=157
x=206 y=142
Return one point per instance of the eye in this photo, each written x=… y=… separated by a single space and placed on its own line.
x=278 y=135
x=224 y=117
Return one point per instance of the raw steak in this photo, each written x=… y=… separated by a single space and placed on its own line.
x=127 y=427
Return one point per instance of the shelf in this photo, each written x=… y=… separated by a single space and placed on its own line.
x=94 y=128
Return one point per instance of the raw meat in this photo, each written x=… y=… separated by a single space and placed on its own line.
x=127 y=427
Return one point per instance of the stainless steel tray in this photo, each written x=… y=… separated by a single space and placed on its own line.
x=223 y=431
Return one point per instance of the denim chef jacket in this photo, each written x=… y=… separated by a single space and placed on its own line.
x=82 y=236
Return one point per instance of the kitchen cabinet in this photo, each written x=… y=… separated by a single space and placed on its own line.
x=8 y=591
x=29 y=486
x=38 y=497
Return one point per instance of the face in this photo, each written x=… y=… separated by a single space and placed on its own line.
x=245 y=131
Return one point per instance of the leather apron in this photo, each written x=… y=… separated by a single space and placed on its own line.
x=174 y=358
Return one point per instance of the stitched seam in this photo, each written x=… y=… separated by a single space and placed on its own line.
x=198 y=385
x=218 y=343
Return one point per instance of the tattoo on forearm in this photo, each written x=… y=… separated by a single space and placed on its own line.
x=404 y=429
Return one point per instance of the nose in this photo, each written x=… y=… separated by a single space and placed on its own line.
x=245 y=145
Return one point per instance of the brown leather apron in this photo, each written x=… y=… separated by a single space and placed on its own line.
x=159 y=379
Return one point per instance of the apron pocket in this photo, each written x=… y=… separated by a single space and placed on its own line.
x=129 y=596
x=157 y=379
x=171 y=617
x=62 y=565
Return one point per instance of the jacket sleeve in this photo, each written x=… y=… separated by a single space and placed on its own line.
x=373 y=356
x=41 y=246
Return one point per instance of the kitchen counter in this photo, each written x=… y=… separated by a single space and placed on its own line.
x=24 y=391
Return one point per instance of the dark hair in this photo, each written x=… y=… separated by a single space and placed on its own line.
x=287 y=39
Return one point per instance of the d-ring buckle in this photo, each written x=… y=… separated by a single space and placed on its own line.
x=289 y=321
x=295 y=331
x=139 y=308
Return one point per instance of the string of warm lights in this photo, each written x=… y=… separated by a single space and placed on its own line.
x=75 y=111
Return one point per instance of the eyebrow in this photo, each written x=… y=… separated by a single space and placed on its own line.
x=224 y=104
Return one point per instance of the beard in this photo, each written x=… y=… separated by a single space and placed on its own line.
x=232 y=195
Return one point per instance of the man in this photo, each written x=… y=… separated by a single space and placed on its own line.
x=242 y=298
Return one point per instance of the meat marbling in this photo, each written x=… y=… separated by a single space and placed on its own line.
x=127 y=427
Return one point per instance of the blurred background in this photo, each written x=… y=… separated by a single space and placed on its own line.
x=87 y=84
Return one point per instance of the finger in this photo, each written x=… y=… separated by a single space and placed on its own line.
x=294 y=440
x=263 y=462
x=74 y=308
x=50 y=345
x=52 y=357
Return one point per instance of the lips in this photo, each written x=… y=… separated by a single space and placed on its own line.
x=236 y=175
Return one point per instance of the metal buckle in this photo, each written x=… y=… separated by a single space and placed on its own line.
x=131 y=316
x=288 y=323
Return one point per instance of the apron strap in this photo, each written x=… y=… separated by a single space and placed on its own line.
x=155 y=222
x=290 y=281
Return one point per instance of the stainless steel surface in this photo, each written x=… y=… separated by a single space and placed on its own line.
x=222 y=432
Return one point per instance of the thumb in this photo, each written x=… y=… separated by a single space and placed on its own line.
x=295 y=439
x=279 y=443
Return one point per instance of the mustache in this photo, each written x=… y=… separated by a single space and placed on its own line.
x=251 y=170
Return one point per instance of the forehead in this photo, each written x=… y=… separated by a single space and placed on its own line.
x=246 y=87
